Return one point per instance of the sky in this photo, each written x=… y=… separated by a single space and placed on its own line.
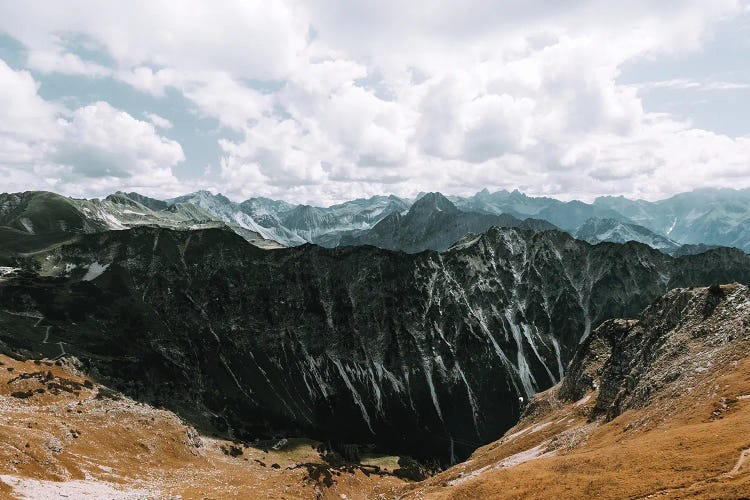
x=325 y=101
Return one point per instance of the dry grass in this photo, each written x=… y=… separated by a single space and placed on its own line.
x=683 y=448
x=75 y=439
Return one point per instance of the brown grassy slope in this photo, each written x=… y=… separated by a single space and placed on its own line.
x=685 y=441
x=65 y=440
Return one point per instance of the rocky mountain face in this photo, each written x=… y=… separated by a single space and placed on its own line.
x=659 y=354
x=433 y=223
x=598 y=230
x=221 y=208
x=426 y=353
x=326 y=226
x=655 y=406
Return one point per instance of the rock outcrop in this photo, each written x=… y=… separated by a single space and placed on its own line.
x=657 y=406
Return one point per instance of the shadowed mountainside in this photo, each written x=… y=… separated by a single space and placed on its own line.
x=423 y=354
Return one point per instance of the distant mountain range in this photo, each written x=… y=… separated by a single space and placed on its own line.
x=684 y=224
x=614 y=231
x=434 y=223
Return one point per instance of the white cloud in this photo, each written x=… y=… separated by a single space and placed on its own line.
x=685 y=84
x=23 y=114
x=91 y=150
x=253 y=39
x=158 y=121
x=103 y=142
x=55 y=61
x=339 y=99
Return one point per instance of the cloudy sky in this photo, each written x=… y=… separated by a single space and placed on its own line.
x=328 y=100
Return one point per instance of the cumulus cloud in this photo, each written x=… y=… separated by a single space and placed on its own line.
x=89 y=150
x=103 y=142
x=23 y=114
x=327 y=101
x=158 y=121
x=66 y=63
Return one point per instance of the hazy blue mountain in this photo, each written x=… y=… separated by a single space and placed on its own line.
x=513 y=202
x=565 y=215
x=707 y=216
x=326 y=225
x=614 y=231
x=433 y=223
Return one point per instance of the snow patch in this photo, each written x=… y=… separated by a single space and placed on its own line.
x=94 y=271
x=26 y=223
x=7 y=270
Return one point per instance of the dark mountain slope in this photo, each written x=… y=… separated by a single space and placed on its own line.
x=42 y=212
x=151 y=203
x=426 y=353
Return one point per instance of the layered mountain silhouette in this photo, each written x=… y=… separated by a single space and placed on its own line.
x=698 y=220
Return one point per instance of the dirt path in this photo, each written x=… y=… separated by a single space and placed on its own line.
x=744 y=454
x=740 y=462
x=46 y=337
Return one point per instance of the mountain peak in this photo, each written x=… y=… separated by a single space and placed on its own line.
x=433 y=202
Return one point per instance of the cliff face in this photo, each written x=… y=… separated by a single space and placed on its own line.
x=657 y=406
x=425 y=354
x=682 y=334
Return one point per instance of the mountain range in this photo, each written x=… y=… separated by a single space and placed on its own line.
x=686 y=223
x=434 y=223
